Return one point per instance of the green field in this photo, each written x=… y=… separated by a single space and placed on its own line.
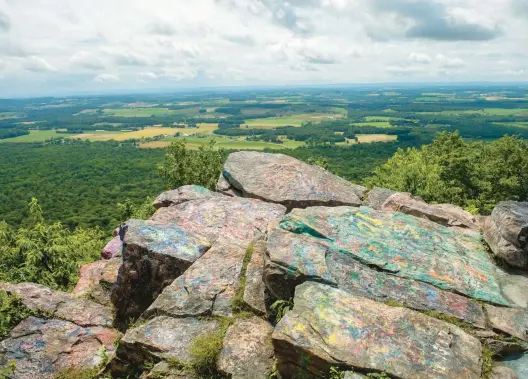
x=224 y=142
x=10 y=115
x=515 y=124
x=379 y=118
x=294 y=120
x=138 y=112
x=384 y=124
x=34 y=136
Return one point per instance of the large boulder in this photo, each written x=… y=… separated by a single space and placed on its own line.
x=445 y=214
x=247 y=352
x=405 y=246
x=512 y=321
x=207 y=288
x=506 y=231
x=224 y=219
x=329 y=327
x=377 y=196
x=96 y=280
x=182 y=195
x=154 y=254
x=44 y=348
x=285 y=180
x=42 y=300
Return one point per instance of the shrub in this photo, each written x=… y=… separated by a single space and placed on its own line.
x=12 y=312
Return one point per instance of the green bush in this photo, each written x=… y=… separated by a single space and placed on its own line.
x=206 y=349
x=183 y=166
x=12 y=312
x=48 y=254
x=475 y=175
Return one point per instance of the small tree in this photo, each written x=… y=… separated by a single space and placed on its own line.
x=183 y=166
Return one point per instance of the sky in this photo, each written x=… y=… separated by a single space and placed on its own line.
x=52 y=47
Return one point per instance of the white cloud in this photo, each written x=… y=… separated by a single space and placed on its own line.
x=105 y=78
x=37 y=64
x=223 y=42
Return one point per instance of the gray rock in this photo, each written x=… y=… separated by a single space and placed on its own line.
x=512 y=321
x=254 y=291
x=44 y=348
x=163 y=337
x=41 y=299
x=281 y=179
x=353 y=375
x=328 y=327
x=514 y=287
x=506 y=231
x=96 y=280
x=503 y=349
x=154 y=255
x=502 y=372
x=377 y=196
x=444 y=214
x=182 y=195
x=518 y=363
x=247 y=352
x=207 y=288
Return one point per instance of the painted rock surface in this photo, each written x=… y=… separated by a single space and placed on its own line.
x=80 y=311
x=247 y=352
x=224 y=219
x=445 y=214
x=207 y=288
x=182 y=195
x=154 y=255
x=503 y=372
x=506 y=231
x=96 y=280
x=513 y=321
x=329 y=326
x=377 y=196
x=164 y=337
x=291 y=260
x=281 y=179
x=254 y=291
x=43 y=348
x=405 y=246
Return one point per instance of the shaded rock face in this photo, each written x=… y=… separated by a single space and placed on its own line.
x=506 y=231
x=502 y=372
x=277 y=178
x=517 y=363
x=182 y=195
x=512 y=321
x=41 y=299
x=43 y=348
x=96 y=280
x=405 y=246
x=255 y=290
x=247 y=352
x=224 y=219
x=444 y=214
x=207 y=288
x=329 y=326
x=154 y=254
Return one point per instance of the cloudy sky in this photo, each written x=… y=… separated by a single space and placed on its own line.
x=73 y=46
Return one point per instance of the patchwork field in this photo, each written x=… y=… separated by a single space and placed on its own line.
x=34 y=136
x=295 y=120
x=223 y=142
x=383 y=124
x=515 y=124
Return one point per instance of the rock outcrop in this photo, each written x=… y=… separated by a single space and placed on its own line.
x=278 y=178
x=506 y=231
x=288 y=270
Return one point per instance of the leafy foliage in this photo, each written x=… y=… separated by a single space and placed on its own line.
x=183 y=166
x=473 y=175
x=48 y=254
x=5 y=373
x=12 y=312
x=279 y=308
x=129 y=210
x=336 y=373
x=318 y=161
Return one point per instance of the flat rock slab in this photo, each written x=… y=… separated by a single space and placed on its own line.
x=514 y=286
x=512 y=321
x=405 y=246
x=81 y=311
x=328 y=327
x=281 y=179
x=224 y=219
x=444 y=214
x=362 y=280
x=154 y=254
x=43 y=348
x=503 y=372
x=113 y=248
x=206 y=288
x=255 y=289
x=506 y=231
x=247 y=352
x=518 y=364
x=182 y=195
x=164 y=337
x=96 y=280
x=377 y=196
